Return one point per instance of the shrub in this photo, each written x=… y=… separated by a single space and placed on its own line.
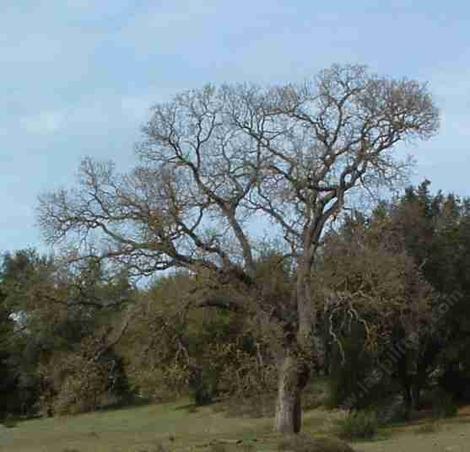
x=443 y=404
x=82 y=380
x=82 y=391
x=10 y=421
x=353 y=369
x=305 y=443
x=159 y=384
x=359 y=425
x=390 y=410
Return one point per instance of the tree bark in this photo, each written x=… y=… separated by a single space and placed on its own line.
x=294 y=370
x=288 y=418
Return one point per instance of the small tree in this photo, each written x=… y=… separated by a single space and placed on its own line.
x=183 y=347
x=217 y=160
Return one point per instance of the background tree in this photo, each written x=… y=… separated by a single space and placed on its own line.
x=7 y=351
x=217 y=160
x=417 y=245
x=207 y=352
x=55 y=319
x=436 y=231
x=377 y=298
x=24 y=274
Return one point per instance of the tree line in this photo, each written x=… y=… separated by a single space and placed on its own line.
x=391 y=289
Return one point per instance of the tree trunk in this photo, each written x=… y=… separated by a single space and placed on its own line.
x=295 y=366
x=288 y=417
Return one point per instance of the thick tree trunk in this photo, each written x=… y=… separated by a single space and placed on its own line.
x=288 y=417
x=295 y=365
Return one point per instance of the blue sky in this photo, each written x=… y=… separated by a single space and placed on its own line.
x=77 y=77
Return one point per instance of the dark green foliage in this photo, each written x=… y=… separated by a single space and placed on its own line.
x=10 y=421
x=437 y=232
x=203 y=386
x=391 y=409
x=443 y=404
x=54 y=311
x=349 y=370
x=22 y=276
x=427 y=237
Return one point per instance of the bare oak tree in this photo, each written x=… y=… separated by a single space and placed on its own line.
x=216 y=163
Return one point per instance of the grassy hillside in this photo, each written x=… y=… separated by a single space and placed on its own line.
x=143 y=428
x=178 y=427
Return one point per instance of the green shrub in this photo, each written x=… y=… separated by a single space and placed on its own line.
x=443 y=404
x=353 y=370
x=359 y=425
x=82 y=380
x=390 y=410
x=348 y=370
x=10 y=421
x=305 y=443
x=80 y=387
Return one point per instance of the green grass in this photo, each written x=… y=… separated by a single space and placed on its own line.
x=426 y=435
x=138 y=429
x=142 y=429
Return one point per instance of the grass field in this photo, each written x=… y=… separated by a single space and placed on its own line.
x=176 y=427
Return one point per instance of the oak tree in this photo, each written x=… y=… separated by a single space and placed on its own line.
x=216 y=164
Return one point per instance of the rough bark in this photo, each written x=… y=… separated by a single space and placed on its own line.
x=288 y=417
x=294 y=370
